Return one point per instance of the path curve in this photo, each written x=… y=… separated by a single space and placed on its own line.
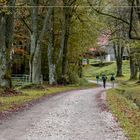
x=75 y=115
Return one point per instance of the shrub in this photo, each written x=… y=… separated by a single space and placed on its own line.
x=73 y=78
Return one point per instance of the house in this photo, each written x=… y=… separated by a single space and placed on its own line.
x=107 y=46
x=106 y=53
x=110 y=56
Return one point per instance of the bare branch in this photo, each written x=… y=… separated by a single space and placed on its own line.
x=24 y=22
x=131 y=23
x=44 y=29
x=109 y=15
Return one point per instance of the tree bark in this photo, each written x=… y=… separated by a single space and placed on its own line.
x=139 y=70
x=133 y=68
x=119 y=67
x=80 y=68
x=6 y=38
x=64 y=42
x=5 y=80
x=35 y=61
x=36 y=65
x=119 y=50
x=51 y=50
x=35 y=48
x=36 y=42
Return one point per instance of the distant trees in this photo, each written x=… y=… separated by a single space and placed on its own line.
x=40 y=28
x=126 y=29
x=59 y=32
x=115 y=21
x=54 y=30
x=119 y=38
x=51 y=46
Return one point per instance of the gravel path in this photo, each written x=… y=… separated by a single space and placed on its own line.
x=74 y=115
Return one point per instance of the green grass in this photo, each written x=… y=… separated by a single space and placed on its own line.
x=124 y=101
x=90 y=71
x=132 y=92
x=125 y=104
x=93 y=61
x=7 y=103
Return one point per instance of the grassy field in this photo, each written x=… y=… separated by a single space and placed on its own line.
x=125 y=104
x=9 y=102
x=90 y=71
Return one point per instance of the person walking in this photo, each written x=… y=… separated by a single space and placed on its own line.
x=104 y=78
x=97 y=78
x=112 y=79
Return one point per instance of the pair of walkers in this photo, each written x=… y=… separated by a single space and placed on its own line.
x=104 y=79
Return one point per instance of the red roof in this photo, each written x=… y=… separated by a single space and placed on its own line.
x=92 y=49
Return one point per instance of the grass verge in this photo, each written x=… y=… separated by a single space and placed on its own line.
x=91 y=71
x=8 y=103
x=125 y=104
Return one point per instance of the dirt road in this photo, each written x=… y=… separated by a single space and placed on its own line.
x=74 y=115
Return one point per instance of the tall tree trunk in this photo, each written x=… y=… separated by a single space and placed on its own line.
x=35 y=61
x=36 y=42
x=64 y=42
x=6 y=38
x=32 y=51
x=35 y=50
x=5 y=80
x=66 y=24
x=119 y=67
x=133 y=68
x=139 y=70
x=80 y=68
x=51 y=50
x=119 y=50
x=36 y=65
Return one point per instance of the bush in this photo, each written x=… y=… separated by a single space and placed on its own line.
x=102 y=64
x=83 y=82
x=70 y=78
x=73 y=78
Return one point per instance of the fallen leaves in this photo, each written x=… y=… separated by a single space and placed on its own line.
x=126 y=112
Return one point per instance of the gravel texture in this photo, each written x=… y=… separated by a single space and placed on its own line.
x=74 y=115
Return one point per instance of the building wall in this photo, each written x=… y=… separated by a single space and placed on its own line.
x=111 y=55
